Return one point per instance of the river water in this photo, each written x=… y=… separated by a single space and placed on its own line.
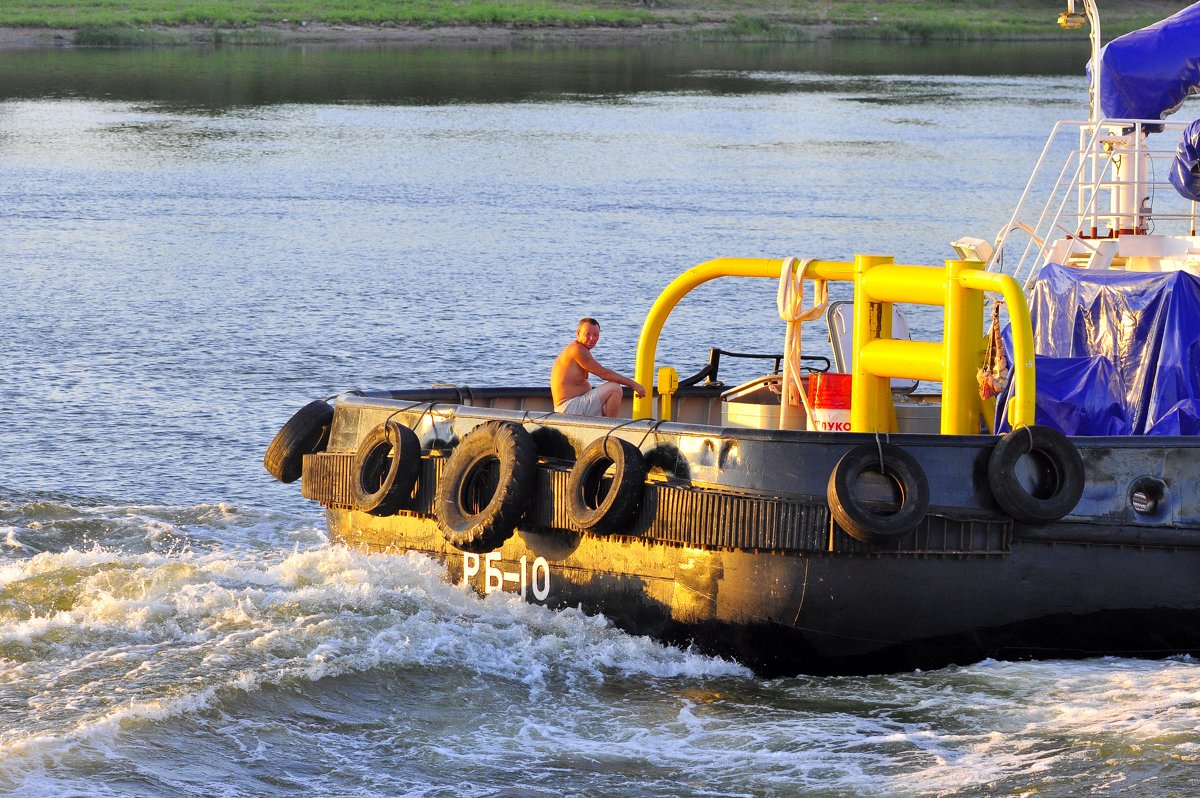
x=195 y=243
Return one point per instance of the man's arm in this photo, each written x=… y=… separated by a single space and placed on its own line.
x=592 y=366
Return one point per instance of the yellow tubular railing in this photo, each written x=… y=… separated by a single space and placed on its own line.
x=679 y=287
x=877 y=357
x=1021 y=406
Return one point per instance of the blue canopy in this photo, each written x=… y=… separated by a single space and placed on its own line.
x=1117 y=351
x=1148 y=73
x=1185 y=169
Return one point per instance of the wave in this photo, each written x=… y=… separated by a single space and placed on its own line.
x=32 y=523
x=96 y=641
x=139 y=644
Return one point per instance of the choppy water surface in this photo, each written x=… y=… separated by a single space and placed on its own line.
x=197 y=243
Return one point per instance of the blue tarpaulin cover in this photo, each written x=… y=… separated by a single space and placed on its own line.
x=1118 y=352
x=1148 y=73
x=1185 y=169
x=1076 y=395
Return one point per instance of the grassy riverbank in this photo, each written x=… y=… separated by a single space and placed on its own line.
x=117 y=22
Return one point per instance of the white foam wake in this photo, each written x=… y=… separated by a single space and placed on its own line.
x=96 y=641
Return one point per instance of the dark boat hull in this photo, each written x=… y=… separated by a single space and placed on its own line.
x=823 y=613
x=766 y=577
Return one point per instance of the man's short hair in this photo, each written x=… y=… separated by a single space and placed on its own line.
x=587 y=320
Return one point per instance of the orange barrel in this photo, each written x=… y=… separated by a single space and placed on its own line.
x=829 y=395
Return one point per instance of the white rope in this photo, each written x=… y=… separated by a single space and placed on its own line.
x=790 y=302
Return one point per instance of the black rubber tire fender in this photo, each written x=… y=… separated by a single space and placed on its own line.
x=612 y=512
x=511 y=450
x=306 y=432
x=386 y=465
x=1062 y=476
x=859 y=520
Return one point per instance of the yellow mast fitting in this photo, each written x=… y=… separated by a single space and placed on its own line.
x=876 y=356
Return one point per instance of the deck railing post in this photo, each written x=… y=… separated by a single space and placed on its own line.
x=870 y=394
x=963 y=323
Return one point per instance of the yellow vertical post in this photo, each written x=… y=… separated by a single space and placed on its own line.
x=1022 y=404
x=963 y=327
x=870 y=396
x=668 y=384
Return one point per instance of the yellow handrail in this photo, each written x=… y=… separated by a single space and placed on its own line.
x=877 y=357
x=1021 y=407
x=679 y=287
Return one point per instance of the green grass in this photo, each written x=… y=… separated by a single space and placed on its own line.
x=952 y=20
x=946 y=30
x=92 y=36
x=112 y=14
x=757 y=29
x=130 y=21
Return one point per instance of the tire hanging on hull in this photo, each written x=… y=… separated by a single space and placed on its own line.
x=858 y=518
x=486 y=485
x=604 y=506
x=306 y=432
x=1060 y=476
x=385 y=469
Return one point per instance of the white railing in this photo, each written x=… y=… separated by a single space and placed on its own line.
x=1093 y=183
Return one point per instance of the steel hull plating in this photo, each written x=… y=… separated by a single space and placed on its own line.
x=787 y=613
x=734 y=551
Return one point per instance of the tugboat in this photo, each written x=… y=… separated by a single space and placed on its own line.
x=1045 y=504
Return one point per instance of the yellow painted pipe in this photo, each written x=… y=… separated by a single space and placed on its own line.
x=895 y=282
x=871 y=408
x=643 y=407
x=876 y=357
x=962 y=323
x=1023 y=403
x=911 y=360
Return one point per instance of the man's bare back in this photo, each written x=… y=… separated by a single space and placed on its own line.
x=569 y=377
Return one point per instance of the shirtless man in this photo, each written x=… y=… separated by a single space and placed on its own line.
x=569 y=377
